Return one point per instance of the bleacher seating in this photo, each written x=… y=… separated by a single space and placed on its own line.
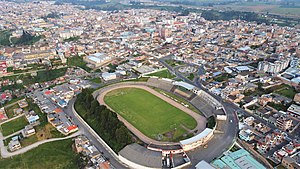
x=160 y=83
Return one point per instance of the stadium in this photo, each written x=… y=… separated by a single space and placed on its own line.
x=169 y=117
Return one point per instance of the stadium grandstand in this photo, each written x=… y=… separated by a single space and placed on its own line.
x=198 y=140
x=165 y=84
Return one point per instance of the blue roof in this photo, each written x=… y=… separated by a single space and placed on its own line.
x=62 y=102
x=3 y=57
x=217 y=73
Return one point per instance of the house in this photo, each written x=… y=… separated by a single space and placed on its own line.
x=284 y=123
x=62 y=103
x=28 y=131
x=263 y=111
x=18 y=111
x=246 y=135
x=289 y=163
x=23 y=103
x=55 y=122
x=32 y=118
x=297 y=98
x=235 y=98
x=93 y=152
x=294 y=110
x=279 y=155
x=72 y=128
x=80 y=143
x=3 y=115
x=14 y=144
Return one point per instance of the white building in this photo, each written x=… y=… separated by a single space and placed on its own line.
x=108 y=76
x=270 y=67
x=97 y=59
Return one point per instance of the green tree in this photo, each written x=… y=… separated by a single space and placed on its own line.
x=123 y=136
x=94 y=106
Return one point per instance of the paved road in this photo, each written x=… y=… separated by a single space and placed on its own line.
x=6 y=154
x=93 y=139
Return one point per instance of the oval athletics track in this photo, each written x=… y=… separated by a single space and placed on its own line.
x=201 y=120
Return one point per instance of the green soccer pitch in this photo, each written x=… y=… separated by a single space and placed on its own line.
x=151 y=115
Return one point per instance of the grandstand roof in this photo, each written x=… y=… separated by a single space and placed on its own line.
x=141 y=155
x=199 y=136
x=184 y=84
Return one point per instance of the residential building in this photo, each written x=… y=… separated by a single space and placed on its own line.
x=273 y=67
x=28 y=131
x=284 y=123
x=14 y=145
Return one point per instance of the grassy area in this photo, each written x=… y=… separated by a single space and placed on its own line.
x=46 y=132
x=4 y=37
x=6 y=141
x=163 y=74
x=285 y=11
x=142 y=79
x=26 y=39
x=278 y=106
x=29 y=140
x=287 y=91
x=58 y=155
x=71 y=39
x=12 y=87
x=253 y=107
x=283 y=89
x=174 y=63
x=42 y=76
x=78 y=61
x=10 y=110
x=42 y=133
x=13 y=100
x=48 y=75
x=179 y=100
x=13 y=126
x=96 y=80
x=148 y=113
x=10 y=69
x=222 y=77
x=191 y=76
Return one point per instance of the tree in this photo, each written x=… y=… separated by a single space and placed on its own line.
x=94 y=106
x=123 y=136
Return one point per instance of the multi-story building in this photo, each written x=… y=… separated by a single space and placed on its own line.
x=284 y=123
x=294 y=110
x=273 y=67
x=289 y=163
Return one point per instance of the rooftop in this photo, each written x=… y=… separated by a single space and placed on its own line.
x=141 y=155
